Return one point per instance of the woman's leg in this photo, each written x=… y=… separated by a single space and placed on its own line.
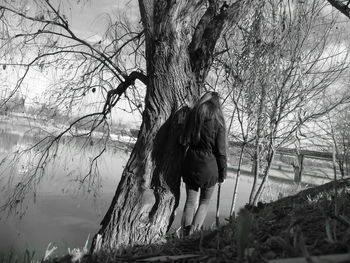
x=190 y=206
x=202 y=210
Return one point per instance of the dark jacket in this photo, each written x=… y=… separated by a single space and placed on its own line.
x=206 y=161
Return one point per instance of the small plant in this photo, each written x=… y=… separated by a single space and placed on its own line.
x=243 y=226
x=323 y=196
x=49 y=251
x=78 y=254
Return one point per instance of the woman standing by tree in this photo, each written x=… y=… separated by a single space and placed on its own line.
x=205 y=163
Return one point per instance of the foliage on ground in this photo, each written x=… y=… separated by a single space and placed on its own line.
x=315 y=221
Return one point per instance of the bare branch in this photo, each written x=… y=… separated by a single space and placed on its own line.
x=129 y=80
x=343 y=8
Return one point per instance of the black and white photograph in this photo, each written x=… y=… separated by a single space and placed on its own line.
x=175 y=131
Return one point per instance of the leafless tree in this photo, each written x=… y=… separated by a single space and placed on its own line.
x=285 y=59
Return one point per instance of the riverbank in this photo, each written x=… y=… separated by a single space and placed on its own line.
x=315 y=172
x=26 y=125
x=314 y=222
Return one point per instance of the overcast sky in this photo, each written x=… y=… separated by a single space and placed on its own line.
x=90 y=17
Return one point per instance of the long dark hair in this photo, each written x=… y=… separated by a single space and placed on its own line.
x=207 y=107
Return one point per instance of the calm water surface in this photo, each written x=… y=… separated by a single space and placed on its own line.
x=63 y=213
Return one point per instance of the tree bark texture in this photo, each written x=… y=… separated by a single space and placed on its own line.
x=235 y=190
x=257 y=152
x=265 y=178
x=143 y=207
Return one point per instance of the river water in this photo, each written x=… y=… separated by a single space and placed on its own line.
x=63 y=213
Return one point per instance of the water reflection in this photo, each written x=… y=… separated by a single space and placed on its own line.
x=63 y=212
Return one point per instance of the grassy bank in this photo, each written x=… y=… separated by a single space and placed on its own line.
x=314 y=222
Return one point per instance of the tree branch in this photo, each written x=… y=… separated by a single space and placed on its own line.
x=129 y=80
x=114 y=68
x=207 y=32
x=343 y=8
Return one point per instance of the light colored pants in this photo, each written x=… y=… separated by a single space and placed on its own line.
x=194 y=216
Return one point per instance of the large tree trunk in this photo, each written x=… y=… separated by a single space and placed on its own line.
x=148 y=193
x=143 y=207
